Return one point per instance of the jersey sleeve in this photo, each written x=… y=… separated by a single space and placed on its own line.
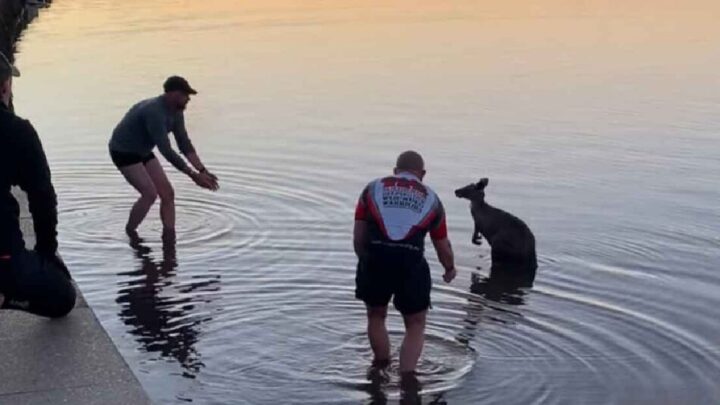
x=361 y=209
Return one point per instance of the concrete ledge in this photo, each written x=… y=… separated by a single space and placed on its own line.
x=70 y=360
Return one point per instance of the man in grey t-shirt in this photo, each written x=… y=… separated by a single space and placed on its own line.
x=144 y=127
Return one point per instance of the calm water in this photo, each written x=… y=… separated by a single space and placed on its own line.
x=596 y=125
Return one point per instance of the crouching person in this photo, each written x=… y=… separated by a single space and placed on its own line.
x=35 y=281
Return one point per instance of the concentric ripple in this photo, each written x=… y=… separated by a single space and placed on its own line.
x=258 y=290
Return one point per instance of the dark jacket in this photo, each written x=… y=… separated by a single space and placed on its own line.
x=23 y=163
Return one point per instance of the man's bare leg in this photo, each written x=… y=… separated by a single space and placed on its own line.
x=167 y=197
x=138 y=177
x=378 y=335
x=413 y=342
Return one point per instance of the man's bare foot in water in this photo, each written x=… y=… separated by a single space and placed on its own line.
x=378 y=371
x=132 y=233
x=409 y=388
x=137 y=243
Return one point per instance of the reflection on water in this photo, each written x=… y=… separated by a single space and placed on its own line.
x=502 y=288
x=486 y=290
x=159 y=312
x=410 y=393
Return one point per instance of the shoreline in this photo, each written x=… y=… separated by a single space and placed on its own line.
x=15 y=16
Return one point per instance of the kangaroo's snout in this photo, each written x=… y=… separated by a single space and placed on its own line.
x=473 y=191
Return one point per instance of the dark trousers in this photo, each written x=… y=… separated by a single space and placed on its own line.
x=35 y=284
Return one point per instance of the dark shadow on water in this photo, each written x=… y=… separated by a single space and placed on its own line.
x=509 y=290
x=159 y=311
x=486 y=292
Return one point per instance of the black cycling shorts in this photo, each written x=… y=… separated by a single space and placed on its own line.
x=32 y=283
x=394 y=273
x=122 y=159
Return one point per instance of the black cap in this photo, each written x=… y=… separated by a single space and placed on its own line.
x=6 y=66
x=177 y=83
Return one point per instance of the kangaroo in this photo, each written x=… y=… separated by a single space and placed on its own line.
x=512 y=243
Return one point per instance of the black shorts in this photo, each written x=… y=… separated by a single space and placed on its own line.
x=394 y=273
x=32 y=283
x=122 y=159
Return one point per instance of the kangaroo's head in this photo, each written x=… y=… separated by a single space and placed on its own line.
x=474 y=192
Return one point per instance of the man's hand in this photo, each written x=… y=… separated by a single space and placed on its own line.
x=449 y=275
x=212 y=176
x=204 y=180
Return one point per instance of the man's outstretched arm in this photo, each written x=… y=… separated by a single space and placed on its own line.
x=446 y=257
x=194 y=159
x=188 y=150
x=439 y=236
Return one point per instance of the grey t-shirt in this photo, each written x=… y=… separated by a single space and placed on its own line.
x=147 y=125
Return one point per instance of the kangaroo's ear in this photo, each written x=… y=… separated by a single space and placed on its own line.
x=482 y=183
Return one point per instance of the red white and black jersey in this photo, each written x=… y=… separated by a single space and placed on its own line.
x=401 y=211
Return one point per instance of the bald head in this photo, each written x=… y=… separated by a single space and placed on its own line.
x=410 y=161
